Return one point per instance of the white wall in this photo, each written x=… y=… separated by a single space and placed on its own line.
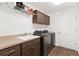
x=14 y=22
x=65 y=24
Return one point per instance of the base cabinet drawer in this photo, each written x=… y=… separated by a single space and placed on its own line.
x=16 y=54
x=36 y=50
x=11 y=50
x=27 y=51
x=32 y=49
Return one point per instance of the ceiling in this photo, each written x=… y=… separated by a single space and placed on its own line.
x=46 y=7
x=49 y=7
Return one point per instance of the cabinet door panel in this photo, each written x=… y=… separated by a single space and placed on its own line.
x=16 y=54
x=41 y=18
x=9 y=51
x=46 y=19
x=31 y=48
x=27 y=51
x=36 y=50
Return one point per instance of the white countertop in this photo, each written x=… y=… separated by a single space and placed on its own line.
x=7 y=41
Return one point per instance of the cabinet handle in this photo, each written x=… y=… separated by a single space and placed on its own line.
x=10 y=51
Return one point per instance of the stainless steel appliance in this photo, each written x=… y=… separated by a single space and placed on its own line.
x=45 y=41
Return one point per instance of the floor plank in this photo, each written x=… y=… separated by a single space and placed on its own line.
x=61 y=51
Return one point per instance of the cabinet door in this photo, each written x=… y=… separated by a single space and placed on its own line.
x=16 y=54
x=36 y=47
x=41 y=18
x=31 y=48
x=27 y=51
x=9 y=51
x=46 y=19
x=36 y=50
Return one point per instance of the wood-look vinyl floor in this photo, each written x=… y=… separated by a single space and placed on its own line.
x=61 y=51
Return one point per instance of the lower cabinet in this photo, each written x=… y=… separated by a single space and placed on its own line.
x=29 y=48
x=31 y=51
x=36 y=50
x=11 y=51
x=27 y=51
x=16 y=54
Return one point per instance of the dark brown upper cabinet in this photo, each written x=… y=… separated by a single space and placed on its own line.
x=41 y=18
